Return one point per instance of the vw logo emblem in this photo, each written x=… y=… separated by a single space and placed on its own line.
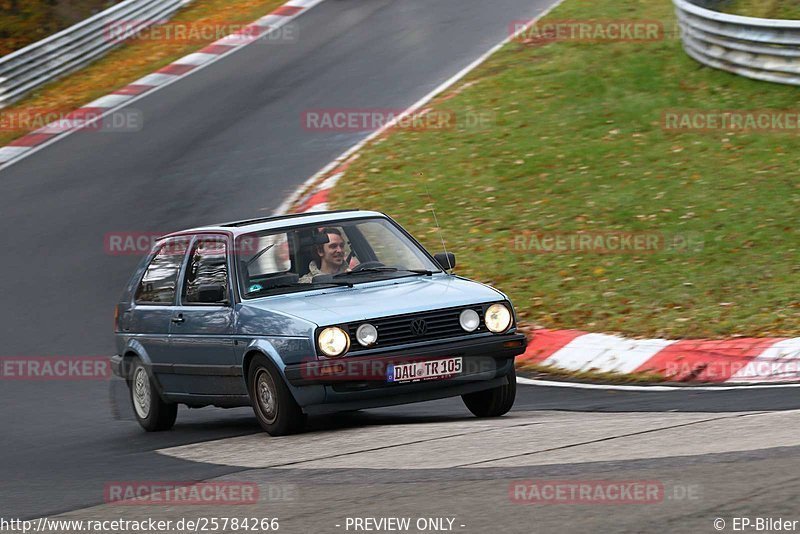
x=419 y=327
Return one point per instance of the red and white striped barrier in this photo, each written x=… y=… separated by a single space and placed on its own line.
x=738 y=360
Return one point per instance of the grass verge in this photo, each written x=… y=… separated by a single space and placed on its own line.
x=134 y=59
x=577 y=144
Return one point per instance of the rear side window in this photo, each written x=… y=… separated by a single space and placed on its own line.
x=208 y=266
x=161 y=276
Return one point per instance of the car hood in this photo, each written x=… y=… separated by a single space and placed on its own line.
x=379 y=299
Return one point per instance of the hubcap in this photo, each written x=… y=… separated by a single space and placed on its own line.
x=140 y=390
x=266 y=396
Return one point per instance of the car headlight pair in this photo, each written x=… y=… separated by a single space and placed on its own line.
x=333 y=341
x=497 y=319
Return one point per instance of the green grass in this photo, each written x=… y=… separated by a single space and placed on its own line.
x=576 y=144
x=768 y=9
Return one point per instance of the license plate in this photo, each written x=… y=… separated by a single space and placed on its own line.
x=425 y=370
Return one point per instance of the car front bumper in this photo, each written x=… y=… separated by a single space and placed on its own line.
x=483 y=358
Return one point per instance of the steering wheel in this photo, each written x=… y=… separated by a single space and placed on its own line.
x=367 y=265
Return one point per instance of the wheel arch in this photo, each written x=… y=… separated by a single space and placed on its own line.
x=134 y=350
x=261 y=347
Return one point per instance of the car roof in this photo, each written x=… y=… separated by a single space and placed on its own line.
x=277 y=222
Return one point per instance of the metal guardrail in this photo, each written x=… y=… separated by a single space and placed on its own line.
x=764 y=49
x=78 y=45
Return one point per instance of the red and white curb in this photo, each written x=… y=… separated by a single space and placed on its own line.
x=88 y=115
x=316 y=195
x=738 y=360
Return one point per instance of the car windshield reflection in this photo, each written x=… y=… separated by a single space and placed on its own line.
x=340 y=253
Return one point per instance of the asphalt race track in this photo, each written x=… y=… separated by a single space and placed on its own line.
x=227 y=143
x=714 y=453
x=730 y=451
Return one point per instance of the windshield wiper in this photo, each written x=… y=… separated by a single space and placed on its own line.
x=368 y=270
x=258 y=255
x=385 y=270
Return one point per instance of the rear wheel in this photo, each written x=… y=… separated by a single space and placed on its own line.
x=152 y=413
x=275 y=408
x=493 y=402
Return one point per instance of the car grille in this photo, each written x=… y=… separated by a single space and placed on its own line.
x=400 y=329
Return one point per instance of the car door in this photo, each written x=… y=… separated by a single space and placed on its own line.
x=154 y=304
x=201 y=325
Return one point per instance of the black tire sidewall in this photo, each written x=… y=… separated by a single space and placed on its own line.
x=289 y=418
x=493 y=402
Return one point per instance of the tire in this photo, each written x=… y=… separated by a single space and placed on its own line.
x=275 y=408
x=493 y=402
x=153 y=414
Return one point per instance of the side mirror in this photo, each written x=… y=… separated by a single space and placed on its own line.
x=446 y=260
x=212 y=294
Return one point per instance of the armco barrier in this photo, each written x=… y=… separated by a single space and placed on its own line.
x=763 y=49
x=78 y=45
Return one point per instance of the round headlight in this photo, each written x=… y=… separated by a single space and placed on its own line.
x=333 y=341
x=498 y=318
x=470 y=320
x=367 y=335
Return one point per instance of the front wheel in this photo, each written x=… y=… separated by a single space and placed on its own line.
x=275 y=408
x=493 y=402
x=152 y=413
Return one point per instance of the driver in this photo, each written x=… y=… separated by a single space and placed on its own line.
x=330 y=257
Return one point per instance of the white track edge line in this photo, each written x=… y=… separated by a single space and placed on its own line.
x=621 y=387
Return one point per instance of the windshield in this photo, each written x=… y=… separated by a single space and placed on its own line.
x=339 y=253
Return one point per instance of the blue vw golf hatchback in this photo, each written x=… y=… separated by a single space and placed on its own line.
x=308 y=314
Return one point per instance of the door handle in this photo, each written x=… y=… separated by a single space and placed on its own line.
x=178 y=319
